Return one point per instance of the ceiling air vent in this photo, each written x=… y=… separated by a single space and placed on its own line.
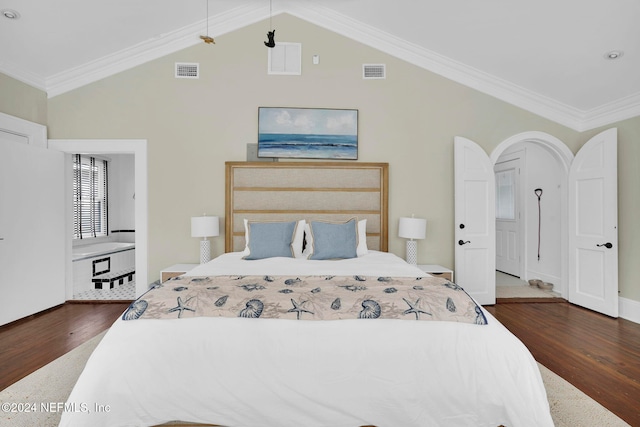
x=374 y=71
x=186 y=70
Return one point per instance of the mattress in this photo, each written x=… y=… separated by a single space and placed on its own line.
x=279 y=372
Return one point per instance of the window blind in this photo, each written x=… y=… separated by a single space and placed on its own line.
x=90 y=197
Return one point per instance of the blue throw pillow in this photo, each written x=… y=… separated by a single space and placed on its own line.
x=270 y=239
x=334 y=240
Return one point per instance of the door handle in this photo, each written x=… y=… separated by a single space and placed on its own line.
x=461 y=242
x=606 y=245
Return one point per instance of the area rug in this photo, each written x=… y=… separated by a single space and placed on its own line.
x=572 y=408
x=50 y=384
x=53 y=383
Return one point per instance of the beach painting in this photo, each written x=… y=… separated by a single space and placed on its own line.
x=308 y=133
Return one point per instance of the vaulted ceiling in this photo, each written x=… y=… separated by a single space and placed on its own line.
x=547 y=56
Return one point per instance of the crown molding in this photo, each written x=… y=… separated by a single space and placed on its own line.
x=149 y=50
x=242 y=16
x=26 y=77
x=616 y=111
x=574 y=118
x=446 y=67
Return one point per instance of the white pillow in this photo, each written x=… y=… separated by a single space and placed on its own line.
x=298 y=236
x=361 y=250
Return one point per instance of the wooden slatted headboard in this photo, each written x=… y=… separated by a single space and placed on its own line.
x=288 y=191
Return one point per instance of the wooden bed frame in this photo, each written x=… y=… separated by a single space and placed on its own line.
x=290 y=191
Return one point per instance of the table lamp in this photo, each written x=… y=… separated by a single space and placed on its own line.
x=205 y=226
x=412 y=228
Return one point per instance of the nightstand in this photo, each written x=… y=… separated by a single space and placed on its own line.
x=437 y=271
x=175 y=271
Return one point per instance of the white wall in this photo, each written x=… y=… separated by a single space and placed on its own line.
x=543 y=171
x=121 y=197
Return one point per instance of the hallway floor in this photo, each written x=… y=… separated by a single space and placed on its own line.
x=504 y=279
x=508 y=286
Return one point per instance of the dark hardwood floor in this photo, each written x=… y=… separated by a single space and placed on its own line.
x=597 y=354
x=30 y=343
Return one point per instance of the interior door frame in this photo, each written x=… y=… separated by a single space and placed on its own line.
x=565 y=157
x=137 y=147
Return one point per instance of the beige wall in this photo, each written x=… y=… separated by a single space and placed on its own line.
x=408 y=120
x=628 y=204
x=21 y=100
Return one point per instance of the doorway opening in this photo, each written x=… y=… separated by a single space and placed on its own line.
x=104 y=236
x=137 y=149
x=588 y=226
x=531 y=240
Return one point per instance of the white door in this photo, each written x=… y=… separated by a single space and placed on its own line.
x=32 y=228
x=593 y=228
x=474 y=221
x=507 y=178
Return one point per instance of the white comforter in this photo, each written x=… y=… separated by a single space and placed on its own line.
x=273 y=372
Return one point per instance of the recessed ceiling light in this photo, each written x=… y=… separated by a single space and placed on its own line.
x=614 y=54
x=10 y=14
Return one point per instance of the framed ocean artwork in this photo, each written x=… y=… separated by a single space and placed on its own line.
x=308 y=133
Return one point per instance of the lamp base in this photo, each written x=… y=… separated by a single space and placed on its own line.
x=412 y=252
x=205 y=251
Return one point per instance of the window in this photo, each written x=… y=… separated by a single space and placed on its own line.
x=506 y=195
x=89 y=197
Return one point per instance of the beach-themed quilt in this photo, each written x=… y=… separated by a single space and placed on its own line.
x=308 y=298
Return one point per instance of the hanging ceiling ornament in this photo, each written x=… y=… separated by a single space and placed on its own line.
x=271 y=34
x=207 y=39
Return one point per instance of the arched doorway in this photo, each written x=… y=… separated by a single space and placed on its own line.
x=543 y=242
x=474 y=197
x=588 y=217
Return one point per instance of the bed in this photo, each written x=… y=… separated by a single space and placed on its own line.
x=287 y=362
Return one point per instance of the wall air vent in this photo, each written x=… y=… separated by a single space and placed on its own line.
x=374 y=71
x=285 y=59
x=187 y=70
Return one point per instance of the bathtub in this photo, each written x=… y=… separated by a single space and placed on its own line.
x=102 y=265
x=97 y=249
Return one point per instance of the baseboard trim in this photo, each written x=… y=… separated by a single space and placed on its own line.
x=629 y=309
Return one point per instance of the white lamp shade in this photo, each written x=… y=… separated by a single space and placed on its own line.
x=205 y=226
x=412 y=228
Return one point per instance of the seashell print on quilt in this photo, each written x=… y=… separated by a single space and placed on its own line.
x=308 y=298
